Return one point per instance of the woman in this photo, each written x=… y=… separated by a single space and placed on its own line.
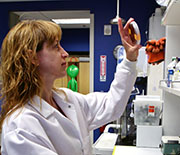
x=39 y=119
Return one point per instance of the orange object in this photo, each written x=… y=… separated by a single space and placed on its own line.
x=155 y=50
x=155 y=58
x=161 y=47
x=149 y=48
x=151 y=42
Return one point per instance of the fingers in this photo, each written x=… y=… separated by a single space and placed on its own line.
x=120 y=27
x=137 y=47
x=124 y=30
x=126 y=27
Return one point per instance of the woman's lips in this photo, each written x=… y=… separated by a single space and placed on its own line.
x=64 y=64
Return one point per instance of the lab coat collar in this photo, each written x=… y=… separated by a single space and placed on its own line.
x=42 y=106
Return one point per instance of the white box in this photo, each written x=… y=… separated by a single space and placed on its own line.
x=147 y=110
x=148 y=136
x=105 y=144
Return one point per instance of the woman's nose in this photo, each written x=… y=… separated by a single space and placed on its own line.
x=65 y=54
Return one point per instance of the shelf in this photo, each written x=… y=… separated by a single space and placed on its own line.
x=172 y=13
x=174 y=91
x=171 y=96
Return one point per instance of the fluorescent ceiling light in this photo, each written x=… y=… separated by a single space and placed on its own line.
x=72 y=21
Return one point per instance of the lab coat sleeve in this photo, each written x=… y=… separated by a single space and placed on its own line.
x=21 y=142
x=101 y=108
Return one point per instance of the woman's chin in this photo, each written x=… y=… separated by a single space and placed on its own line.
x=62 y=75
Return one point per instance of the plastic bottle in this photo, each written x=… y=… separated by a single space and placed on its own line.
x=171 y=68
x=176 y=76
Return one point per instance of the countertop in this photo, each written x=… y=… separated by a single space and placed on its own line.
x=133 y=150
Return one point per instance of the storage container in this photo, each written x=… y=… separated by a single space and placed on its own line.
x=147 y=110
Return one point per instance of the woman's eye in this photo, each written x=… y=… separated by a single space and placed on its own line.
x=57 y=46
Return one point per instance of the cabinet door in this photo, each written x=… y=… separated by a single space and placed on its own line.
x=61 y=82
x=84 y=77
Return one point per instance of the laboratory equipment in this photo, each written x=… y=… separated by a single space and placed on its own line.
x=170 y=145
x=147 y=110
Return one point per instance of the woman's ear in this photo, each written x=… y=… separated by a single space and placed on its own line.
x=33 y=57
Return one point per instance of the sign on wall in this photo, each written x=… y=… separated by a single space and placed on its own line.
x=103 y=63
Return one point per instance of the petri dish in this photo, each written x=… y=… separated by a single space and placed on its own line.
x=134 y=33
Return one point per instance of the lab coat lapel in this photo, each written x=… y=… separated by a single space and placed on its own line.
x=81 y=123
x=42 y=106
x=83 y=126
x=69 y=110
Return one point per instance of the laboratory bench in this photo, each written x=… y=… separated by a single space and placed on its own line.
x=107 y=145
x=133 y=150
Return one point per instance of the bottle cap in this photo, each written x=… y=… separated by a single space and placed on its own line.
x=173 y=58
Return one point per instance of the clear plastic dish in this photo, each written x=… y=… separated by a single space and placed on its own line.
x=134 y=33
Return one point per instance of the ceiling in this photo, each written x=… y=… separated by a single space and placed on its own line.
x=49 y=15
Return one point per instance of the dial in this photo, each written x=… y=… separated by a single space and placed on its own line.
x=119 y=53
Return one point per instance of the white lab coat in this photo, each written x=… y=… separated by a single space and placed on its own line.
x=40 y=129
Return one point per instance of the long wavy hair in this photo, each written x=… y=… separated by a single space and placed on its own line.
x=20 y=77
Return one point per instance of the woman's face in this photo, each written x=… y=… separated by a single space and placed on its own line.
x=51 y=61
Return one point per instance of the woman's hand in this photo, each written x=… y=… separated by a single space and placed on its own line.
x=131 y=49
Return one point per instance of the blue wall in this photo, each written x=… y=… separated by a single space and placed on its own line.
x=75 y=40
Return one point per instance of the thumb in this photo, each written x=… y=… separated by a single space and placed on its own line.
x=137 y=47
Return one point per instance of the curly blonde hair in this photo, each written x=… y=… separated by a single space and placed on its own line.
x=20 y=77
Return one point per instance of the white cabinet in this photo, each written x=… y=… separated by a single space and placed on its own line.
x=172 y=13
x=171 y=97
